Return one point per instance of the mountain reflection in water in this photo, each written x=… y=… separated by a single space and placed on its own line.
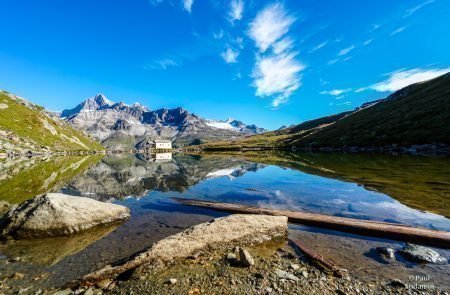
x=342 y=185
x=135 y=175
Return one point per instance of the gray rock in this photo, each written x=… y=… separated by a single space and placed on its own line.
x=294 y=266
x=397 y=283
x=422 y=254
x=305 y=274
x=386 y=251
x=53 y=215
x=173 y=281
x=231 y=257
x=281 y=274
x=245 y=258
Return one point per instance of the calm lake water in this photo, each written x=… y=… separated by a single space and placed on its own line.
x=411 y=190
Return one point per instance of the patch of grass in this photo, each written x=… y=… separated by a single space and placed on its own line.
x=32 y=124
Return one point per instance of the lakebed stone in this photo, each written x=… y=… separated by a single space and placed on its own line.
x=386 y=251
x=57 y=214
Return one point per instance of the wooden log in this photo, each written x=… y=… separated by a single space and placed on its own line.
x=362 y=227
x=323 y=262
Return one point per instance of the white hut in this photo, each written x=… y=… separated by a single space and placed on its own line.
x=162 y=144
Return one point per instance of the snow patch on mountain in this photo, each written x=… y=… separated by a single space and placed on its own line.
x=221 y=124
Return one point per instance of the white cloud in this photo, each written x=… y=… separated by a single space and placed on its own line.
x=346 y=50
x=403 y=78
x=367 y=42
x=277 y=75
x=276 y=72
x=346 y=103
x=270 y=25
x=414 y=9
x=283 y=45
x=336 y=92
x=187 y=4
x=397 y=31
x=230 y=56
x=333 y=61
x=218 y=35
x=162 y=64
x=319 y=46
x=236 y=10
x=239 y=42
x=155 y=2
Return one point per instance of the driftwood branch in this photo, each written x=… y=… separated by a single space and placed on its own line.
x=362 y=227
x=321 y=261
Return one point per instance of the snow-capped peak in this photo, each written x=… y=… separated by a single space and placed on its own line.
x=220 y=124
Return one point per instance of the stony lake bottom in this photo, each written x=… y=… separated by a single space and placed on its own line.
x=413 y=190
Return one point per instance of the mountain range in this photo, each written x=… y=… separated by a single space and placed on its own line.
x=416 y=117
x=119 y=126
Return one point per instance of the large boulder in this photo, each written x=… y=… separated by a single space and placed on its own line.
x=54 y=215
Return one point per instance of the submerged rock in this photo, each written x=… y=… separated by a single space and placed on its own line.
x=422 y=254
x=54 y=215
x=386 y=251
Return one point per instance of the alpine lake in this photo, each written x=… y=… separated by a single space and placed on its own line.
x=412 y=190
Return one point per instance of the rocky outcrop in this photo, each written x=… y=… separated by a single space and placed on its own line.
x=240 y=229
x=54 y=215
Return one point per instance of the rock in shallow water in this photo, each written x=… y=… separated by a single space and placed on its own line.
x=386 y=251
x=422 y=254
x=54 y=215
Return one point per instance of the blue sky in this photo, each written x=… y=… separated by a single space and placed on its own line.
x=271 y=63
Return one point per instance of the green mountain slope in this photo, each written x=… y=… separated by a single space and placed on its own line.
x=417 y=114
x=27 y=127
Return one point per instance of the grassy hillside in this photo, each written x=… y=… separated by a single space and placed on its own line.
x=25 y=126
x=417 y=114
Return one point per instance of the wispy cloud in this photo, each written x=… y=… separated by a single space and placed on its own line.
x=346 y=103
x=218 y=35
x=319 y=46
x=236 y=10
x=230 y=56
x=397 y=31
x=336 y=92
x=284 y=45
x=346 y=50
x=270 y=25
x=414 y=9
x=187 y=4
x=277 y=76
x=333 y=61
x=162 y=64
x=367 y=42
x=402 y=78
x=276 y=72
